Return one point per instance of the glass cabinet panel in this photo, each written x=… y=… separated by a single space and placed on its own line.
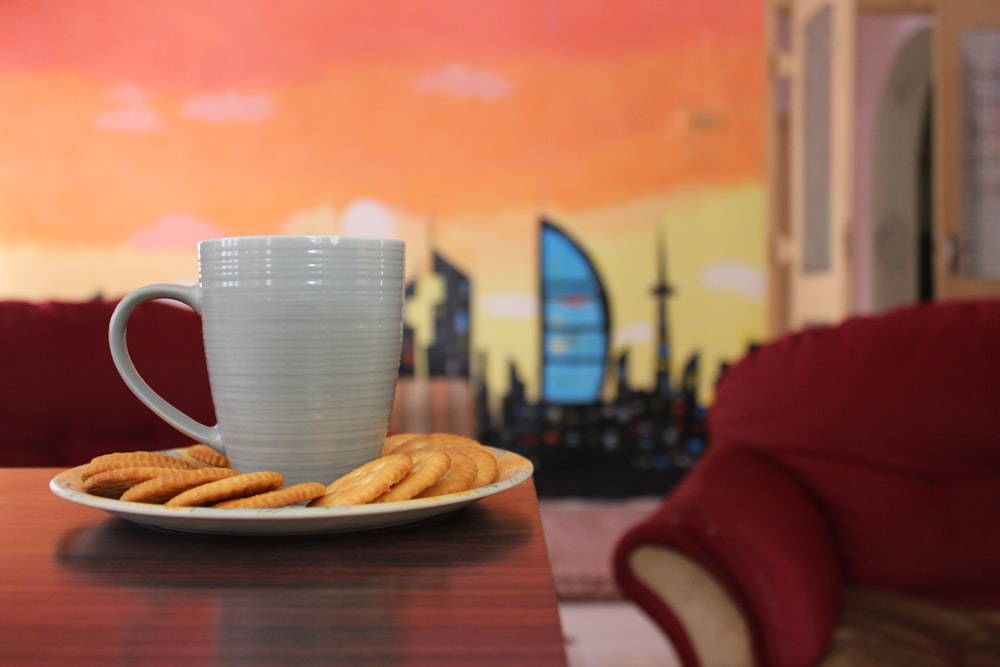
x=979 y=250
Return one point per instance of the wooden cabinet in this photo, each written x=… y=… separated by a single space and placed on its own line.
x=884 y=150
x=967 y=148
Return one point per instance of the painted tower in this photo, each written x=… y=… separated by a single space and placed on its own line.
x=574 y=325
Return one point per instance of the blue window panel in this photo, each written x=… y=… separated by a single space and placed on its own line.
x=576 y=345
x=587 y=314
x=573 y=384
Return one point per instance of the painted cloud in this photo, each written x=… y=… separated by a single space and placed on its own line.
x=129 y=119
x=228 y=107
x=741 y=279
x=465 y=83
x=369 y=218
x=511 y=306
x=636 y=332
x=131 y=112
x=174 y=232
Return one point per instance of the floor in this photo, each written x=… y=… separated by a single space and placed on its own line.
x=613 y=634
x=601 y=628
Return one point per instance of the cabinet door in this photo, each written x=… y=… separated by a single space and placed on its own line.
x=779 y=38
x=822 y=142
x=967 y=144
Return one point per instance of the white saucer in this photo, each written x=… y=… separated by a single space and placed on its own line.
x=297 y=520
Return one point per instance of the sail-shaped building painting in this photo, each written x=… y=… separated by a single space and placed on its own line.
x=575 y=330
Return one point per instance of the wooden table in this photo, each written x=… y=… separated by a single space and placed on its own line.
x=78 y=587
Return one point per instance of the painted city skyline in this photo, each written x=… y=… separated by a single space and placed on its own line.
x=591 y=430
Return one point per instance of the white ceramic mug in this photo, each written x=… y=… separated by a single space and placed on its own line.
x=302 y=337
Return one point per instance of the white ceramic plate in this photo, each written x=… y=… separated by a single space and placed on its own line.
x=296 y=520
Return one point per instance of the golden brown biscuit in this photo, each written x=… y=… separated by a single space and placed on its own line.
x=460 y=476
x=394 y=441
x=436 y=441
x=365 y=483
x=207 y=455
x=289 y=495
x=237 y=486
x=164 y=487
x=487 y=465
x=510 y=463
x=112 y=483
x=485 y=458
x=428 y=468
x=106 y=462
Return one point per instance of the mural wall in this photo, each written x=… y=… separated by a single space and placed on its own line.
x=634 y=129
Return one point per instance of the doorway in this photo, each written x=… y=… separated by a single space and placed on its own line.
x=902 y=187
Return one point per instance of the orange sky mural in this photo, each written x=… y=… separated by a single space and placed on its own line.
x=131 y=130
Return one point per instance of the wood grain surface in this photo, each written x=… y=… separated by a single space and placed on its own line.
x=78 y=587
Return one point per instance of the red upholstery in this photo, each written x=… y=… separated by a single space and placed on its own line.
x=63 y=401
x=866 y=454
x=755 y=528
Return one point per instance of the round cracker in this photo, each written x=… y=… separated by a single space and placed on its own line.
x=207 y=455
x=394 y=441
x=289 y=495
x=116 y=460
x=237 y=486
x=486 y=459
x=428 y=468
x=487 y=465
x=113 y=483
x=510 y=463
x=436 y=441
x=365 y=483
x=460 y=476
x=163 y=488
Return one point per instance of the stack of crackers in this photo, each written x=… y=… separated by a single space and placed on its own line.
x=410 y=466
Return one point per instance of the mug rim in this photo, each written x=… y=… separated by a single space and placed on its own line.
x=299 y=239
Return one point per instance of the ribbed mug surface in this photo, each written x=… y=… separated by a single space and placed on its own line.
x=302 y=339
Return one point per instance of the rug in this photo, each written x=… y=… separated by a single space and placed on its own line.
x=581 y=535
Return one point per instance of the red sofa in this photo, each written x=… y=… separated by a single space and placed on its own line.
x=847 y=511
x=63 y=401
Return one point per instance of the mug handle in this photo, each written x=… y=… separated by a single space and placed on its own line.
x=189 y=295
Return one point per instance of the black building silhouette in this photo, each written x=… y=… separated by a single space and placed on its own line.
x=448 y=356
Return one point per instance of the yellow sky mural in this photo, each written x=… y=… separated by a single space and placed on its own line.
x=131 y=130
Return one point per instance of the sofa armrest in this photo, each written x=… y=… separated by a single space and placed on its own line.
x=706 y=626
x=742 y=522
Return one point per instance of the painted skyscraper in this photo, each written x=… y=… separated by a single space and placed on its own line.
x=575 y=329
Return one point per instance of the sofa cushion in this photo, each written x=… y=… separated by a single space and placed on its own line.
x=893 y=424
x=63 y=401
x=900 y=532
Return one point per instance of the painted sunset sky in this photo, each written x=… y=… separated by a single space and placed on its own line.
x=130 y=130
